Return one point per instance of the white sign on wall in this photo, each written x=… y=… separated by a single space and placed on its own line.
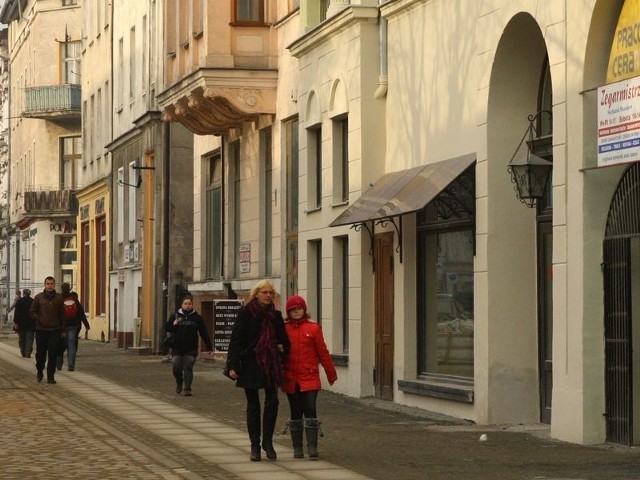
x=619 y=122
x=244 y=251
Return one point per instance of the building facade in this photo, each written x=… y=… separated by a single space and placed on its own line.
x=44 y=139
x=462 y=300
x=94 y=176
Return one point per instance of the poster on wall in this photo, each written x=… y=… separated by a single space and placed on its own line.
x=619 y=122
x=225 y=313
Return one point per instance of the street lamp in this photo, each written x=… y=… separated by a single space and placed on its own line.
x=530 y=173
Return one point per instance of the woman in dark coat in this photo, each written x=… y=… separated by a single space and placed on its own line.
x=185 y=325
x=257 y=348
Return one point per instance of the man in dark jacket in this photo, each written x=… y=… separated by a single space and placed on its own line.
x=51 y=325
x=24 y=324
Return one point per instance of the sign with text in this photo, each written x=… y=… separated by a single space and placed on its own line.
x=619 y=122
x=244 y=250
x=225 y=313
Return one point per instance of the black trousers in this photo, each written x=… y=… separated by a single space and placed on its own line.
x=48 y=344
x=302 y=403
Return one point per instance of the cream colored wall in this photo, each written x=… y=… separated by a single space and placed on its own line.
x=96 y=77
x=128 y=15
x=449 y=103
x=341 y=58
x=34 y=143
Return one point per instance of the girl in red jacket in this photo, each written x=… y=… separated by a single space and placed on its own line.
x=302 y=375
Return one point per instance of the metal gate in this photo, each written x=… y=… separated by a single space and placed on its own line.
x=617 y=332
x=623 y=223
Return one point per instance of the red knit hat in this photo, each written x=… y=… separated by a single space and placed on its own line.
x=296 y=301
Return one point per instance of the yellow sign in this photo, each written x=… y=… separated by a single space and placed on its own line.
x=624 y=58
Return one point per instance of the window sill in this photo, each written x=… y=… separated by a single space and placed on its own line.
x=340 y=360
x=341 y=203
x=458 y=391
x=311 y=210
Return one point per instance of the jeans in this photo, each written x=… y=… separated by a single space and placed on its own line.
x=72 y=345
x=183 y=369
x=47 y=348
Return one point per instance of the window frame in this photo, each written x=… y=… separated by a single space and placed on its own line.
x=254 y=22
x=433 y=221
x=214 y=200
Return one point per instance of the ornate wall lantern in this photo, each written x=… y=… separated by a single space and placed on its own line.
x=530 y=173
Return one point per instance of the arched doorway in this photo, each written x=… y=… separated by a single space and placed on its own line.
x=621 y=269
x=522 y=245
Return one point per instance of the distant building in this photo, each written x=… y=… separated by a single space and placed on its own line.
x=45 y=44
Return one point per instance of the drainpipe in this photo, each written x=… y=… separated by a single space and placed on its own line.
x=383 y=78
x=166 y=180
x=8 y=219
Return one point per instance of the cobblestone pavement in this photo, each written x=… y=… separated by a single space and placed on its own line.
x=117 y=416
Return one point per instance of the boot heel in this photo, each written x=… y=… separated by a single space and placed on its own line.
x=269 y=450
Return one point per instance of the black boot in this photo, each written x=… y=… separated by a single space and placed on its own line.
x=311 y=426
x=295 y=427
x=268 y=426
x=253 y=427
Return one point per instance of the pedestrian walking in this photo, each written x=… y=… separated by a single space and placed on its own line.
x=257 y=348
x=83 y=322
x=17 y=297
x=51 y=326
x=302 y=375
x=185 y=325
x=75 y=317
x=24 y=324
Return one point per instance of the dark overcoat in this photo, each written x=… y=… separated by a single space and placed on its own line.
x=244 y=337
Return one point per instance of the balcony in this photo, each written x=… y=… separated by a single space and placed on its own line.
x=50 y=203
x=212 y=101
x=53 y=102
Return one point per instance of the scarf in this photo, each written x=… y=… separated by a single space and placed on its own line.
x=266 y=350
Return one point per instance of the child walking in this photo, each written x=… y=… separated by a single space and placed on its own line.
x=302 y=375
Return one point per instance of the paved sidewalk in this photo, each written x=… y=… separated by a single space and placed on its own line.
x=117 y=416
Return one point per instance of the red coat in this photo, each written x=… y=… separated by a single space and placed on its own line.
x=307 y=351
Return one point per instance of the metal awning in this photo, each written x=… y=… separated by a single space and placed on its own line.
x=400 y=193
x=403 y=192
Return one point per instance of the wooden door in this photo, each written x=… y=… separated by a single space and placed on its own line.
x=383 y=291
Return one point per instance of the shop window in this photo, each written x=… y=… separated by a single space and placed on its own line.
x=101 y=267
x=85 y=263
x=446 y=242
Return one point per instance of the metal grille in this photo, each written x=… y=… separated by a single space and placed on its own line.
x=617 y=310
x=623 y=223
x=624 y=216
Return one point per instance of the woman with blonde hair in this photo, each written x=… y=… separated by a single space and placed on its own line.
x=257 y=349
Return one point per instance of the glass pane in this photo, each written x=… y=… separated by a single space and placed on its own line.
x=68 y=258
x=248 y=10
x=448 y=303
